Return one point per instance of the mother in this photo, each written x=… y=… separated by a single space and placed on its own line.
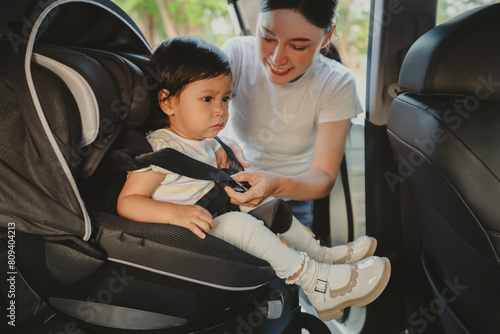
x=290 y=106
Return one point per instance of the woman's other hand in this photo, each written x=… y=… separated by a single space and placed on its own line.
x=221 y=156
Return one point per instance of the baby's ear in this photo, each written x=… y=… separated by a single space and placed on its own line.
x=165 y=102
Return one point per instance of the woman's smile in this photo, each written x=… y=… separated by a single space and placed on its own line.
x=278 y=71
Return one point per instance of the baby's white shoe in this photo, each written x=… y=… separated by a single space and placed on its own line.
x=331 y=288
x=359 y=249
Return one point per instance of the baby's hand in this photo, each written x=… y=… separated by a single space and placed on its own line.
x=194 y=218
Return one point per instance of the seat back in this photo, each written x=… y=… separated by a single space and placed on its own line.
x=49 y=144
x=73 y=99
x=444 y=130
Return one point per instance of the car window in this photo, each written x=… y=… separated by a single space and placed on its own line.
x=450 y=8
x=207 y=19
x=351 y=39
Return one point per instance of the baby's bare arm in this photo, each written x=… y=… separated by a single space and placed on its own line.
x=135 y=203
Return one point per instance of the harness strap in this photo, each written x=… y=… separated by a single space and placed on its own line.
x=216 y=200
x=275 y=214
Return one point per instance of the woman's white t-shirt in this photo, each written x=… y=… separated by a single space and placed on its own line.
x=276 y=124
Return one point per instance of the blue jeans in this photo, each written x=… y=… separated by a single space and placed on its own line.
x=303 y=211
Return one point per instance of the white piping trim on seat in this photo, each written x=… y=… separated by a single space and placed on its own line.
x=192 y=280
x=38 y=107
x=83 y=94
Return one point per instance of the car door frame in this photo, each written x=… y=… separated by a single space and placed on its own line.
x=390 y=216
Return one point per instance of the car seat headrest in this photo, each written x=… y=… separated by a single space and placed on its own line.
x=457 y=58
x=81 y=91
x=108 y=89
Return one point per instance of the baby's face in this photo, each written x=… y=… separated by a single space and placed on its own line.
x=201 y=109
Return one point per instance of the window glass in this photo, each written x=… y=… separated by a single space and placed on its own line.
x=450 y=8
x=161 y=19
x=351 y=39
x=210 y=20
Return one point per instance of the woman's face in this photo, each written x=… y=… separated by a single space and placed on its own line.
x=287 y=44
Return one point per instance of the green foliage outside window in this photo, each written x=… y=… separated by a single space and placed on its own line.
x=209 y=19
x=160 y=19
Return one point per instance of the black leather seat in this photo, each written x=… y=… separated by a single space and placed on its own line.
x=445 y=133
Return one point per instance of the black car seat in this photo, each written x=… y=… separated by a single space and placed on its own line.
x=72 y=97
x=445 y=133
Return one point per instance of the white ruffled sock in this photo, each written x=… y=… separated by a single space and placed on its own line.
x=302 y=239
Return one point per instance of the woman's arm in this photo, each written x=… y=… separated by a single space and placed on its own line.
x=316 y=183
x=135 y=203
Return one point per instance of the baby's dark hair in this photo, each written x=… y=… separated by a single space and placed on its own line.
x=178 y=62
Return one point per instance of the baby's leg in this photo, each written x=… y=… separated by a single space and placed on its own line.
x=300 y=238
x=249 y=234
x=330 y=288
x=246 y=209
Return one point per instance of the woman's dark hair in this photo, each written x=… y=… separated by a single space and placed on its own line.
x=321 y=13
x=178 y=62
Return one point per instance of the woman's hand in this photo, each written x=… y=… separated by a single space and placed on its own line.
x=317 y=182
x=221 y=156
x=192 y=217
x=264 y=184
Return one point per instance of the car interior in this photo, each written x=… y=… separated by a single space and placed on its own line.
x=443 y=129
x=74 y=87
